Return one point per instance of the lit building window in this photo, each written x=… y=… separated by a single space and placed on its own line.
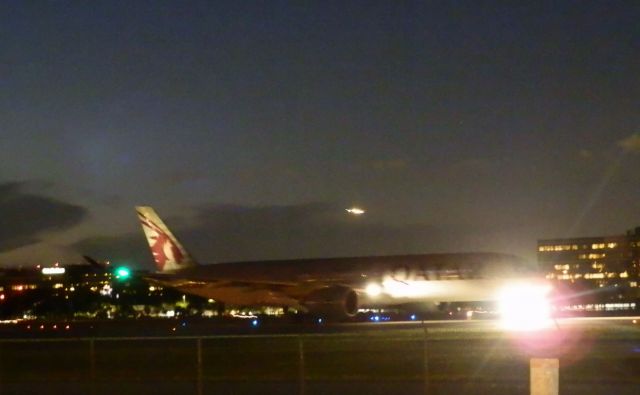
x=624 y=274
x=600 y=307
x=559 y=247
x=612 y=245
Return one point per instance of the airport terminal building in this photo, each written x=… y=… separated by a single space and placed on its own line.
x=594 y=273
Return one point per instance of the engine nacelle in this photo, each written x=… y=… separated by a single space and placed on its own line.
x=335 y=302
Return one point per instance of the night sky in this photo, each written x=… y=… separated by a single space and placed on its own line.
x=251 y=126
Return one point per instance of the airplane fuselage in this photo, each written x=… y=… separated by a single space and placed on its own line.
x=399 y=279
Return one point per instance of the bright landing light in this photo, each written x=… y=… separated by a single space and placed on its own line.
x=373 y=289
x=525 y=307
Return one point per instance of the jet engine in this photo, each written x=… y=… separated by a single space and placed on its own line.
x=336 y=302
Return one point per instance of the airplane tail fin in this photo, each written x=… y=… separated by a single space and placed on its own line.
x=168 y=254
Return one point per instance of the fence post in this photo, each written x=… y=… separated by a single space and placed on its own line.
x=1 y=368
x=425 y=357
x=199 y=365
x=301 y=381
x=92 y=365
x=544 y=376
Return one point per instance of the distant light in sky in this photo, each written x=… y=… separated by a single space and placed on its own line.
x=355 y=211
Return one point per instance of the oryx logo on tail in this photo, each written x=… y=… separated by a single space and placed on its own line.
x=167 y=252
x=162 y=247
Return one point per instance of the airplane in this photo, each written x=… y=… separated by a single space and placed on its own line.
x=336 y=288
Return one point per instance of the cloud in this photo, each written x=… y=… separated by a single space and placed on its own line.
x=127 y=248
x=106 y=199
x=630 y=144
x=585 y=154
x=296 y=231
x=227 y=233
x=26 y=217
x=389 y=164
x=472 y=166
x=185 y=176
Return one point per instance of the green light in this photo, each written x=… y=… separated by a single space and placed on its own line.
x=123 y=272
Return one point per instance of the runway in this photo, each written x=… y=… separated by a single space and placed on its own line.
x=271 y=326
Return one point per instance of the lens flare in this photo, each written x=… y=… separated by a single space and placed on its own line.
x=525 y=307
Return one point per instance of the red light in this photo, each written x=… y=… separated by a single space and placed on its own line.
x=41 y=327
x=1 y=296
x=66 y=327
x=55 y=327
